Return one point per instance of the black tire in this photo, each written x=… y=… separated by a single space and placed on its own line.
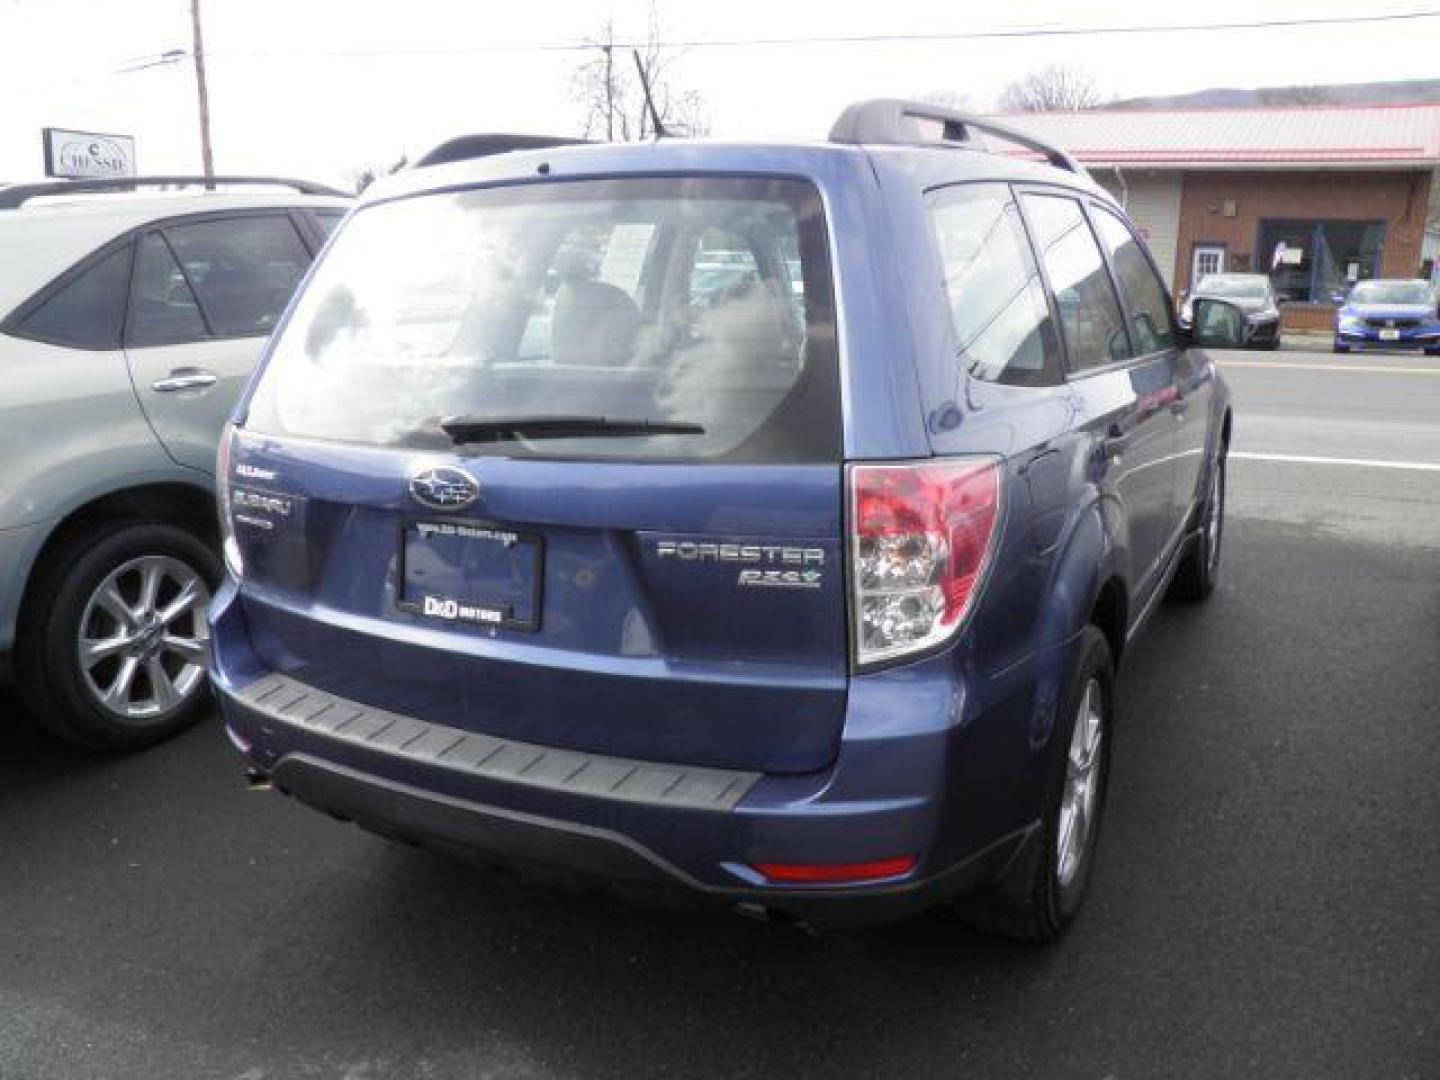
x=1199 y=567
x=1341 y=348
x=1432 y=352
x=1030 y=902
x=48 y=670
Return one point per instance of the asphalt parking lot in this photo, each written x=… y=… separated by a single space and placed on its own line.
x=1264 y=901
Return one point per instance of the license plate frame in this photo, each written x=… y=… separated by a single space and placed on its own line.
x=1389 y=335
x=462 y=606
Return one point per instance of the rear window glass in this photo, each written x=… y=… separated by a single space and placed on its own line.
x=84 y=312
x=997 y=301
x=702 y=302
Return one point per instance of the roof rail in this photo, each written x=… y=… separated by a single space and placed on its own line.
x=17 y=195
x=464 y=147
x=891 y=122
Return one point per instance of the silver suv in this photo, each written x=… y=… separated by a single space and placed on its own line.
x=131 y=314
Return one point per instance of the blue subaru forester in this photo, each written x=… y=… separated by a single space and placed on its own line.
x=758 y=523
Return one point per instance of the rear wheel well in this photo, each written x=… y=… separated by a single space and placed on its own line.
x=1109 y=614
x=187 y=506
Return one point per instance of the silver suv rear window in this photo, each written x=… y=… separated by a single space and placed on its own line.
x=696 y=301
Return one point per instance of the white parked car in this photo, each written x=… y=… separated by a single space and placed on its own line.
x=131 y=315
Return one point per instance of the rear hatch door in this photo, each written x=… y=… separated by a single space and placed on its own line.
x=561 y=464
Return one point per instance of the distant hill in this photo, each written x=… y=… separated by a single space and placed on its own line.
x=1224 y=97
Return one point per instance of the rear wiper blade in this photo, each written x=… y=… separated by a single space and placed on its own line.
x=473 y=429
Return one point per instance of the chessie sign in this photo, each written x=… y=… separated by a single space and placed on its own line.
x=88 y=155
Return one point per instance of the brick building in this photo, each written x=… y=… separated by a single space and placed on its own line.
x=1317 y=197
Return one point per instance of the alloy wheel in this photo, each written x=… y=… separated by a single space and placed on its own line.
x=1079 y=802
x=1215 y=515
x=143 y=641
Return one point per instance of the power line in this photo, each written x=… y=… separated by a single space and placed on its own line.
x=579 y=45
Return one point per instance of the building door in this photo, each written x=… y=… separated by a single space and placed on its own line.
x=1207 y=259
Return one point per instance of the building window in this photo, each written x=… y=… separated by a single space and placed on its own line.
x=1313 y=261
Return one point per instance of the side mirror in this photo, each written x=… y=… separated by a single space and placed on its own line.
x=1337 y=298
x=1219 y=324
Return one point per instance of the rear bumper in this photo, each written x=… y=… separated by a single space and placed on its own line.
x=924 y=769
x=597 y=855
x=18 y=548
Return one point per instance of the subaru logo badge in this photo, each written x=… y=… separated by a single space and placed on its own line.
x=442 y=487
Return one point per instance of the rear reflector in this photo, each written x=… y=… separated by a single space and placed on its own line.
x=835 y=873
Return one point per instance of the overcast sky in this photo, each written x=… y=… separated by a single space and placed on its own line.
x=320 y=88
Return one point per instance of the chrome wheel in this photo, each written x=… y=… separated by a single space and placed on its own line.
x=1078 y=803
x=1215 y=514
x=143 y=641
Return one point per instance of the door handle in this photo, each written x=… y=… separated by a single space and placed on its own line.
x=184 y=379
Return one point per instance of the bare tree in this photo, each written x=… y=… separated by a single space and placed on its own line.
x=364 y=177
x=1054 y=88
x=607 y=88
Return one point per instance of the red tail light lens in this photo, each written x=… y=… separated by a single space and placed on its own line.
x=835 y=873
x=921 y=536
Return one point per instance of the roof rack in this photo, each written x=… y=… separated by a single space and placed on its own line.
x=898 y=123
x=464 y=147
x=16 y=195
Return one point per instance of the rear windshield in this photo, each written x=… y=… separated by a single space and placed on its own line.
x=1390 y=292
x=698 y=302
x=1245 y=288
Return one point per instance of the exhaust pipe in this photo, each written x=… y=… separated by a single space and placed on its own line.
x=776 y=917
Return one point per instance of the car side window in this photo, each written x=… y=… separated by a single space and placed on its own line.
x=1089 y=310
x=992 y=284
x=163 y=310
x=86 y=311
x=243 y=269
x=1145 y=298
x=326 y=220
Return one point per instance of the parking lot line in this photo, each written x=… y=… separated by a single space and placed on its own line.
x=1372 y=369
x=1363 y=463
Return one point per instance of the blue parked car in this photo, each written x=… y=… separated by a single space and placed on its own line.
x=802 y=592
x=1388 y=315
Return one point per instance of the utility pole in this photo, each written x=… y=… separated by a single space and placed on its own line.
x=197 y=50
x=609 y=48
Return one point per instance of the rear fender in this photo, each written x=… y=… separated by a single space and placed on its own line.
x=1087 y=559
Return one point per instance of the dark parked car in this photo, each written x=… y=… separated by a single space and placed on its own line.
x=1251 y=293
x=803 y=594
x=1388 y=315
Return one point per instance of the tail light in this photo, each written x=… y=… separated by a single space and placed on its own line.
x=229 y=548
x=921 y=536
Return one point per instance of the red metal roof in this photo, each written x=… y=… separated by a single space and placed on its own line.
x=1300 y=137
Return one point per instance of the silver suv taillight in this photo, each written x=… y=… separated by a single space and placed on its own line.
x=921 y=534
x=229 y=548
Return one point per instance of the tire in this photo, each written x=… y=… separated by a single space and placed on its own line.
x=1274 y=346
x=68 y=604
x=1341 y=348
x=1040 y=893
x=1432 y=352
x=1199 y=567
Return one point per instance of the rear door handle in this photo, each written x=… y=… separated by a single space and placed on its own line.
x=184 y=379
